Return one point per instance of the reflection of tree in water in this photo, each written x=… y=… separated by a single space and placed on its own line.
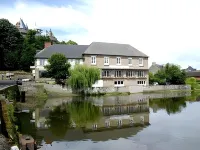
x=171 y=105
x=83 y=112
x=80 y=112
x=58 y=121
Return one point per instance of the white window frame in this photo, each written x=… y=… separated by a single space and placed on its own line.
x=42 y=62
x=119 y=83
x=118 y=60
x=140 y=74
x=130 y=73
x=118 y=73
x=141 y=82
x=131 y=61
x=142 y=63
x=106 y=60
x=93 y=60
x=105 y=73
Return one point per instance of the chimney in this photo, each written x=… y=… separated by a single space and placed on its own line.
x=47 y=44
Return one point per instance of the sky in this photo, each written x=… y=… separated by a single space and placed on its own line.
x=165 y=30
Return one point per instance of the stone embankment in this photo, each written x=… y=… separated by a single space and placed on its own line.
x=4 y=143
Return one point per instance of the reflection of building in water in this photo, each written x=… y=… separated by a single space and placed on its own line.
x=118 y=120
x=121 y=114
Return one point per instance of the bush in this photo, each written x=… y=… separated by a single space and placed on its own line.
x=193 y=82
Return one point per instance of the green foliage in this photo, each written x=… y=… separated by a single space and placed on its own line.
x=151 y=78
x=41 y=96
x=83 y=76
x=11 y=42
x=171 y=74
x=70 y=42
x=83 y=112
x=9 y=119
x=40 y=40
x=29 y=50
x=170 y=105
x=58 y=67
x=62 y=117
x=11 y=95
x=58 y=121
x=193 y=82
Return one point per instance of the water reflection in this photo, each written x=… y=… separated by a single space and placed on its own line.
x=105 y=121
x=58 y=116
x=171 y=105
x=89 y=119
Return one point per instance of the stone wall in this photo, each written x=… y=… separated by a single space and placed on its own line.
x=125 y=89
x=166 y=87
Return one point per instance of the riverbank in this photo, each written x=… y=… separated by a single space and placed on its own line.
x=4 y=145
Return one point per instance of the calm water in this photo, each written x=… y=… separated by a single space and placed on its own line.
x=116 y=122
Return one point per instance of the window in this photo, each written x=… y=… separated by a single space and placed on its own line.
x=118 y=60
x=107 y=123
x=129 y=61
x=106 y=60
x=140 y=74
x=118 y=73
x=42 y=61
x=140 y=61
x=77 y=61
x=141 y=82
x=119 y=83
x=93 y=60
x=130 y=73
x=119 y=123
x=106 y=73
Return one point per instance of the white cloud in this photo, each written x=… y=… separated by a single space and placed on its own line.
x=162 y=29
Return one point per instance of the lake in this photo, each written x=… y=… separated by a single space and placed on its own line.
x=156 y=121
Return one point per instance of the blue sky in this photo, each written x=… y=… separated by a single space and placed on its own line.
x=166 y=30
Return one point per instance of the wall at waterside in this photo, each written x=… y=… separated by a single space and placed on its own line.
x=125 y=89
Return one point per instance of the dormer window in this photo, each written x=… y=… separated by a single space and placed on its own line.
x=140 y=61
x=118 y=60
x=106 y=60
x=42 y=61
x=93 y=60
x=129 y=61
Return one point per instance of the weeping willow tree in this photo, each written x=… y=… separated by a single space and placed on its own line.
x=83 y=77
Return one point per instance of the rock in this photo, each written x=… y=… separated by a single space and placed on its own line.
x=3 y=143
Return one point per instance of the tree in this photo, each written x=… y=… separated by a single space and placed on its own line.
x=11 y=42
x=192 y=81
x=29 y=51
x=30 y=45
x=70 y=42
x=83 y=77
x=40 y=40
x=58 y=67
x=151 y=78
x=171 y=74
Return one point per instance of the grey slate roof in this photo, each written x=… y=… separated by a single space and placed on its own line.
x=193 y=74
x=102 y=48
x=70 y=51
x=22 y=25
